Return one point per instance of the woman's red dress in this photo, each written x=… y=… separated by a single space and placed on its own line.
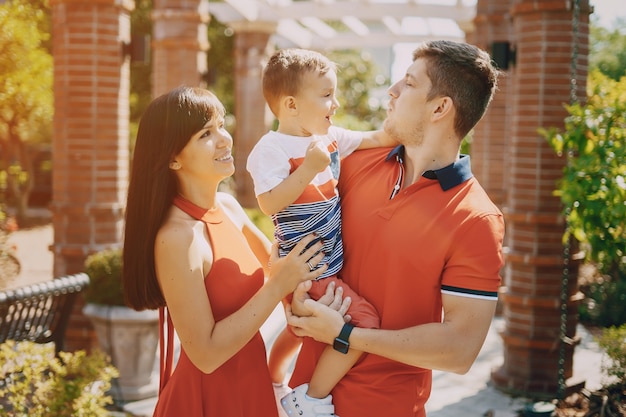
x=241 y=387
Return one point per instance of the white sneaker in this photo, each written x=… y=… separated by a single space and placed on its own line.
x=297 y=404
x=280 y=390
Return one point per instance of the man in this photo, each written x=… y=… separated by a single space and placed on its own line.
x=423 y=242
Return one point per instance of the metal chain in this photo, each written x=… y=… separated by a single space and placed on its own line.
x=564 y=339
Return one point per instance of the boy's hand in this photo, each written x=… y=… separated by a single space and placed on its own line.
x=317 y=157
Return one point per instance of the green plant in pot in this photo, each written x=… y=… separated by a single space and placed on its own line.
x=105 y=278
x=129 y=337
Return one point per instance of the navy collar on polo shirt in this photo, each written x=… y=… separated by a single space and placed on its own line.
x=449 y=176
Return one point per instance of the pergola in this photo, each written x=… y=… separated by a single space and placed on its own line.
x=327 y=25
x=354 y=23
x=512 y=161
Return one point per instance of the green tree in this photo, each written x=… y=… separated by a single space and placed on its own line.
x=220 y=76
x=140 y=72
x=26 y=99
x=357 y=78
x=608 y=50
x=593 y=187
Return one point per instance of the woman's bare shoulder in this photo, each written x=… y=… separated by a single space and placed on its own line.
x=176 y=230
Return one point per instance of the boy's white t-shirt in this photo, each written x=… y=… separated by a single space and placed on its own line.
x=317 y=209
x=269 y=161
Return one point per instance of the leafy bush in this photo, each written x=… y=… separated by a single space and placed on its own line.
x=105 y=278
x=593 y=186
x=34 y=382
x=605 y=304
x=613 y=341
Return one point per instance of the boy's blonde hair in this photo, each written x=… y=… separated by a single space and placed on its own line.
x=285 y=69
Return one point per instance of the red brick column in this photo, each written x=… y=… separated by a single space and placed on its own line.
x=179 y=44
x=535 y=264
x=250 y=46
x=491 y=137
x=90 y=138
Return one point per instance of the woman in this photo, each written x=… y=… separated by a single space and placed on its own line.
x=192 y=252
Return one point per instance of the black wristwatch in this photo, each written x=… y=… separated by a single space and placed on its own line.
x=341 y=343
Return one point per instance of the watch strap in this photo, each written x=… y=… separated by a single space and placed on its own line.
x=344 y=334
x=341 y=343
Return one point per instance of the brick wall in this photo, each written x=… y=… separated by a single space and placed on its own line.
x=90 y=136
x=179 y=44
x=540 y=86
x=492 y=135
x=250 y=46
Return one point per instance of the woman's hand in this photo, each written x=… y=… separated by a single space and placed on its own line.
x=298 y=266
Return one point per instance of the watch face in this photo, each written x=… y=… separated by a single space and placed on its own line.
x=341 y=345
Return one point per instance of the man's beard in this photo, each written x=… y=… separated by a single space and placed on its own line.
x=415 y=137
x=391 y=131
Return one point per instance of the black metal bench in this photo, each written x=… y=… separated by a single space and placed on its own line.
x=40 y=312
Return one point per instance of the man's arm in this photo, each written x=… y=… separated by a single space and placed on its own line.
x=450 y=346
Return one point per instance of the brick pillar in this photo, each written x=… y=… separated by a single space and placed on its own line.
x=179 y=44
x=491 y=137
x=90 y=137
x=250 y=46
x=535 y=263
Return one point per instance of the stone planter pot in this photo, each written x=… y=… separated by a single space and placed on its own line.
x=131 y=339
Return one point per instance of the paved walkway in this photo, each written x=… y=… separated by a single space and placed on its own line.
x=469 y=395
x=32 y=249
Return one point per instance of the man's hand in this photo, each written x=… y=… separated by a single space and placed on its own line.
x=332 y=298
x=321 y=319
x=322 y=324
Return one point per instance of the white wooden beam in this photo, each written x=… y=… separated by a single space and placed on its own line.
x=352 y=41
x=392 y=24
x=318 y=26
x=355 y=25
x=294 y=32
x=375 y=23
x=248 y=8
x=373 y=11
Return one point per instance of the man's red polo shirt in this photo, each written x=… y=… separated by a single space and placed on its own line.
x=440 y=235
